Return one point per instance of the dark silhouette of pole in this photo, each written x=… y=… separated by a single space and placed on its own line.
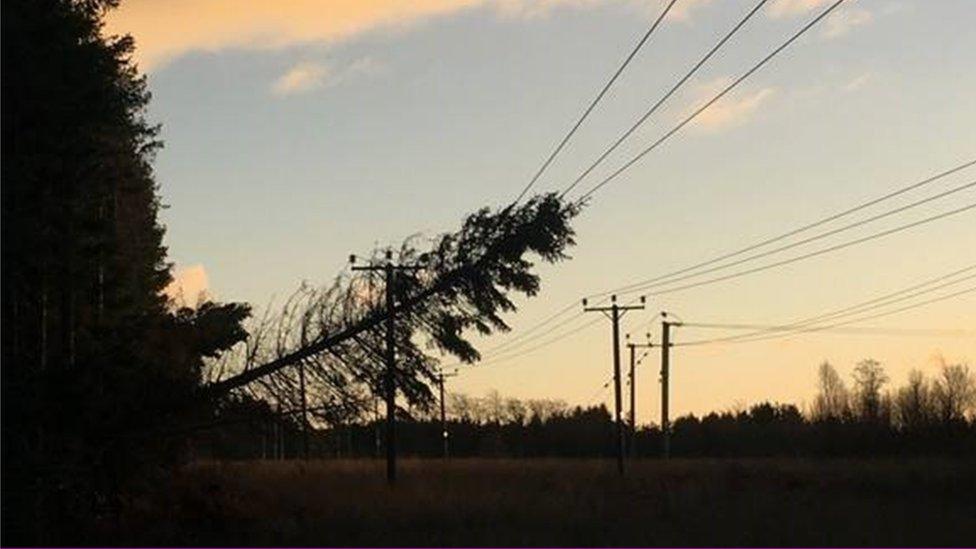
x=633 y=389
x=376 y=428
x=615 y=313
x=389 y=382
x=665 y=372
x=301 y=384
x=633 y=398
x=444 y=433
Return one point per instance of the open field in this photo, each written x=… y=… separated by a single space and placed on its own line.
x=560 y=502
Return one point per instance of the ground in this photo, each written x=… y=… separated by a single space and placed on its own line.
x=466 y=502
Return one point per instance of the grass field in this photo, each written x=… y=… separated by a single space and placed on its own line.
x=560 y=502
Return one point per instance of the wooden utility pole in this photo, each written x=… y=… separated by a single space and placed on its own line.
x=614 y=312
x=389 y=382
x=665 y=372
x=301 y=384
x=633 y=389
x=444 y=433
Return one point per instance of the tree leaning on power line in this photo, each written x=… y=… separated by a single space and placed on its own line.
x=464 y=284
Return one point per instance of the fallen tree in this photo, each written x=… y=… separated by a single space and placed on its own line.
x=333 y=334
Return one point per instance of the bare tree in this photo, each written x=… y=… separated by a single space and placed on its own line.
x=869 y=378
x=954 y=392
x=832 y=400
x=914 y=402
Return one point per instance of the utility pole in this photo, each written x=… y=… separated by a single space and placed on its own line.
x=301 y=383
x=633 y=389
x=665 y=372
x=444 y=433
x=614 y=312
x=389 y=385
x=376 y=428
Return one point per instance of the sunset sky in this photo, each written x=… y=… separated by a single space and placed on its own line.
x=298 y=132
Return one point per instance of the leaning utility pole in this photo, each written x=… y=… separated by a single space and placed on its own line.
x=444 y=433
x=665 y=372
x=615 y=312
x=389 y=385
x=633 y=389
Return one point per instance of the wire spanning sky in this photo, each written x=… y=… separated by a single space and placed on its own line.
x=299 y=132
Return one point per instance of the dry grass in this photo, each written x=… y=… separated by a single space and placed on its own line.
x=561 y=502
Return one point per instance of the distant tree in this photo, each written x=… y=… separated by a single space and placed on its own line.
x=954 y=392
x=832 y=400
x=914 y=403
x=869 y=378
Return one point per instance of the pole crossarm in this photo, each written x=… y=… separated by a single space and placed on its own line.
x=614 y=312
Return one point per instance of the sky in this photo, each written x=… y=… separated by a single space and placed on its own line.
x=298 y=132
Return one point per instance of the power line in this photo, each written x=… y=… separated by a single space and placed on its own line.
x=708 y=104
x=811 y=238
x=793 y=232
x=548 y=320
x=665 y=97
x=746 y=272
x=598 y=394
x=853 y=321
x=768 y=328
x=815 y=253
x=541 y=345
x=521 y=344
x=589 y=109
x=864 y=306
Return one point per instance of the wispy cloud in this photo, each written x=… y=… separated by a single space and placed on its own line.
x=729 y=112
x=858 y=82
x=301 y=78
x=841 y=22
x=189 y=287
x=308 y=76
x=789 y=8
x=683 y=9
x=531 y=9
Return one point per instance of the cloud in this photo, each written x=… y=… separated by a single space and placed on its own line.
x=189 y=286
x=858 y=82
x=728 y=112
x=681 y=11
x=308 y=76
x=531 y=9
x=789 y=8
x=301 y=78
x=841 y=22
x=166 y=30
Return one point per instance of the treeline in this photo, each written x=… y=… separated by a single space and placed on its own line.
x=923 y=417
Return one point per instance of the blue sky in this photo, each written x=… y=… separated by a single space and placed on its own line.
x=299 y=132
